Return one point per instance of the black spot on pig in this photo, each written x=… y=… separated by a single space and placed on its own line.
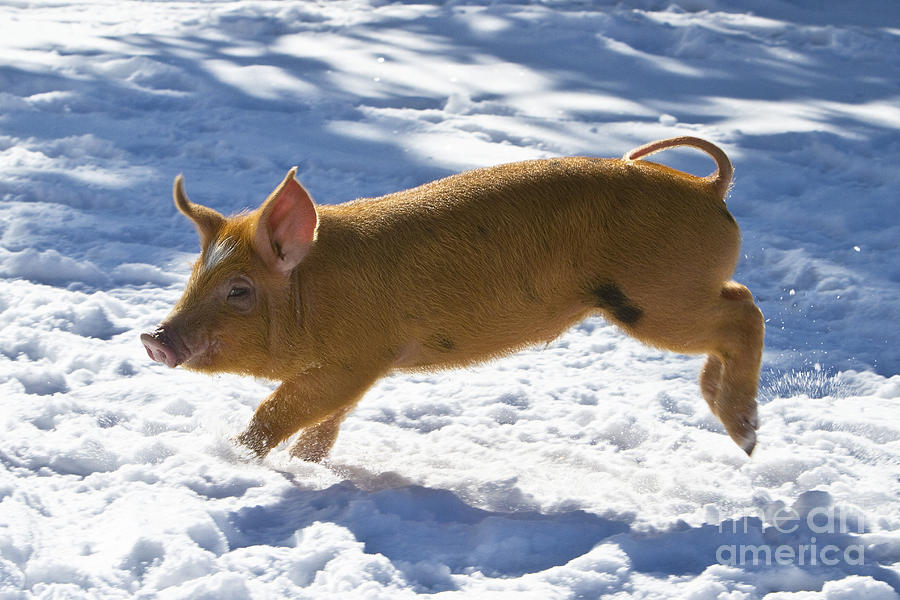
x=609 y=297
x=441 y=342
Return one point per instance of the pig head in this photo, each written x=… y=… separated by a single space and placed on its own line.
x=240 y=285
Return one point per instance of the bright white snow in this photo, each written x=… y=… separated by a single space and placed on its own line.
x=588 y=468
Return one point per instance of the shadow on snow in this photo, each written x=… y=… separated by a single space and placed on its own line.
x=426 y=532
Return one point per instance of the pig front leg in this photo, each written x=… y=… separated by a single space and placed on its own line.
x=314 y=443
x=316 y=402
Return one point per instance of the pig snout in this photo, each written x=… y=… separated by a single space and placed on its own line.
x=160 y=348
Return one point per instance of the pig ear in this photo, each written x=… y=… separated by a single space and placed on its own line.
x=207 y=221
x=286 y=226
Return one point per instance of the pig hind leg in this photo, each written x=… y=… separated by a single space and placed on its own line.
x=730 y=377
x=728 y=327
x=732 y=333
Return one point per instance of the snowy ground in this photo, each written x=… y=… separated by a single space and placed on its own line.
x=585 y=469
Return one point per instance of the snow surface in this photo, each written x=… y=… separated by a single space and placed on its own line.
x=589 y=468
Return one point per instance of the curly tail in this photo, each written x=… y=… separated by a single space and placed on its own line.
x=721 y=179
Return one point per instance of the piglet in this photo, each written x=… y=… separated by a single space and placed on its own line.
x=327 y=299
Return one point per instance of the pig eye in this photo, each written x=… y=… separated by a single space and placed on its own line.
x=241 y=295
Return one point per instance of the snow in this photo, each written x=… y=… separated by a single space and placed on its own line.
x=589 y=468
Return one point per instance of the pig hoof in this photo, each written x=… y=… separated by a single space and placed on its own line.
x=252 y=444
x=745 y=437
x=748 y=443
x=244 y=454
x=309 y=453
